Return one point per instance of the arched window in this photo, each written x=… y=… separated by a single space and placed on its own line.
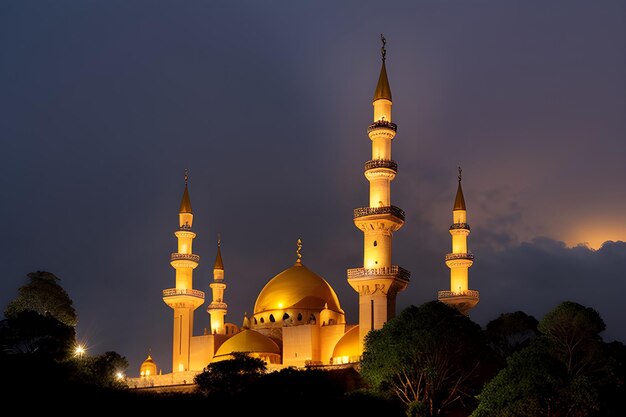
x=299 y=316
x=262 y=320
x=255 y=322
x=285 y=316
x=272 y=318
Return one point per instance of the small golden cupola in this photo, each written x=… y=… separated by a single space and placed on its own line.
x=148 y=367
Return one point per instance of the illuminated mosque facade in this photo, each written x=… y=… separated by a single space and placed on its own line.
x=297 y=319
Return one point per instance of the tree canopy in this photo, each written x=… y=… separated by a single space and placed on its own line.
x=29 y=332
x=566 y=371
x=511 y=332
x=43 y=295
x=231 y=376
x=427 y=357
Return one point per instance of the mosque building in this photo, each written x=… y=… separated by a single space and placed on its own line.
x=297 y=319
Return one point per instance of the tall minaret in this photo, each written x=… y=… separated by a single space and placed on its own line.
x=459 y=261
x=217 y=308
x=183 y=299
x=378 y=281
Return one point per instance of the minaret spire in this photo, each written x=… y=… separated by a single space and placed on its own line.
x=459 y=201
x=218 y=308
x=378 y=281
x=219 y=264
x=460 y=260
x=185 y=203
x=383 y=91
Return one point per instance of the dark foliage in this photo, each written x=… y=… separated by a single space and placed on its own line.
x=28 y=332
x=511 y=332
x=43 y=295
x=429 y=357
x=566 y=371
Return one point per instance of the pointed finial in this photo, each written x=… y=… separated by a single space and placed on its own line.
x=186 y=176
x=299 y=260
x=460 y=171
x=383 y=50
x=219 y=240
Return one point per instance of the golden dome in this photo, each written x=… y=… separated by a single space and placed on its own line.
x=348 y=345
x=148 y=367
x=297 y=287
x=248 y=341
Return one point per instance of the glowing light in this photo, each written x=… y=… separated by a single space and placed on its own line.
x=79 y=350
x=280 y=305
x=119 y=376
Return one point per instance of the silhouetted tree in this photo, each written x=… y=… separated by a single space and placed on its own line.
x=573 y=332
x=427 y=357
x=45 y=296
x=230 y=377
x=29 y=332
x=511 y=332
x=563 y=372
x=101 y=370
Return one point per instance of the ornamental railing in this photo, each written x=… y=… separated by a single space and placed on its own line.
x=373 y=272
x=370 y=211
x=381 y=163
x=452 y=294
x=453 y=256
x=185 y=257
x=460 y=226
x=217 y=305
x=382 y=124
x=183 y=291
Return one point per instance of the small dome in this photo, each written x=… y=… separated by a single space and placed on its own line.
x=297 y=287
x=248 y=341
x=347 y=348
x=148 y=367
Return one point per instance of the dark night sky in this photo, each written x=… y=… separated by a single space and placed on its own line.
x=103 y=104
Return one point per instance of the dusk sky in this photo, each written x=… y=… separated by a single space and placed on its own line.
x=104 y=104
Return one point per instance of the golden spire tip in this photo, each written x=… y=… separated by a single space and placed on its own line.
x=186 y=176
x=299 y=244
x=460 y=171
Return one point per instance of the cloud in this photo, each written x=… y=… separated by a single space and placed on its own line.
x=535 y=276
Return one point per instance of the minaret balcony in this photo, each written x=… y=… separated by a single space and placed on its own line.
x=175 y=292
x=217 y=306
x=382 y=124
x=457 y=226
x=381 y=163
x=453 y=294
x=185 y=257
x=463 y=301
x=394 y=270
x=376 y=211
x=455 y=256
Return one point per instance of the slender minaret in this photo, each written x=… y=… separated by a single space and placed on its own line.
x=183 y=299
x=459 y=261
x=217 y=308
x=378 y=281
